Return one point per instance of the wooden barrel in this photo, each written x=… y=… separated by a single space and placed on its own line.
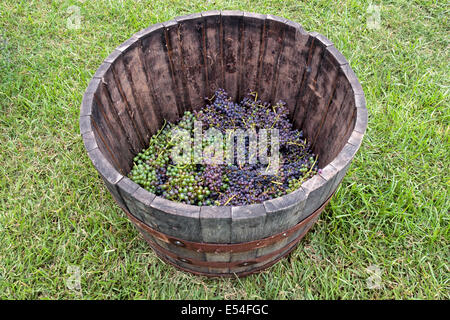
x=169 y=68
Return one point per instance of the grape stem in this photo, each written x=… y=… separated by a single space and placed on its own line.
x=157 y=135
x=306 y=175
x=229 y=200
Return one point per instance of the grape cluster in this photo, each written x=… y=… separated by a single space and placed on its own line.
x=226 y=183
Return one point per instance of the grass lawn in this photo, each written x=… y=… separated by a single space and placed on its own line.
x=388 y=224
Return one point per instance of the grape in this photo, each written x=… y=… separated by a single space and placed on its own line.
x=226 y=184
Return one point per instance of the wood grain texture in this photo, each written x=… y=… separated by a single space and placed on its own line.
x=345 y=122
x=232 y=30
x=85 y=124
x=319 y=90
x=284 y=212
x=329 y=174
x=128 y=44
x=314 y=187
x=108 y=173
x=124 y=85
x=177 y=219
x=307 y=92
x=169 y=253
x=361 y=114
x=191 y=33
x=178 y=69
x=118 y=107
x=106 y=137
x=273 y=42
x=88 y=97
x=288 y=242
x=325 y=86
x=113 y=57
x=183 y=263
x=247 y=222
x=325 y=145
x=89 y=140
x=252 y=42
x=253 y=46
x=138 y=202
x=342 y=162
x=102 y=144
x=353 y=80
x=215 y=224
x=112 y=128
x=213 y=51
x=216 y=228
x=245 y=259
x=126 y=188
x=171 y=218
x=356 y=138
x=136 y=74
x=292 y=65
x=159 y=72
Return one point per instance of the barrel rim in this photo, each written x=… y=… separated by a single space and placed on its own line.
x=329 y=172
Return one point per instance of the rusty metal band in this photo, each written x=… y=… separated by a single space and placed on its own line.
x=230 y=264
x=221 y=274
x=224 y=247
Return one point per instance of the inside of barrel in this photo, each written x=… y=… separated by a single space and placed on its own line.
x=173 y=66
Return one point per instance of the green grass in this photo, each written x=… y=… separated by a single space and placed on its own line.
x=391 y=211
